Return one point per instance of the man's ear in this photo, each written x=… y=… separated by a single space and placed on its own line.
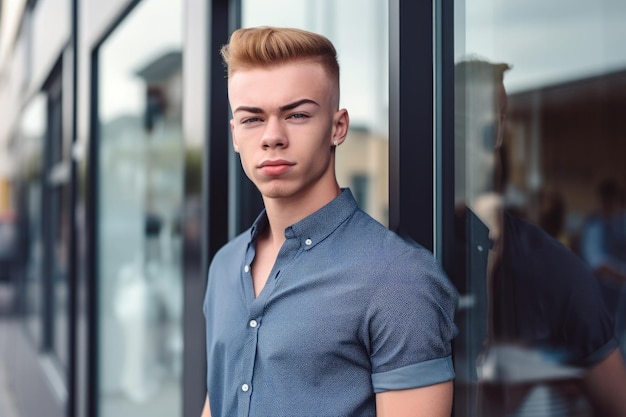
x=234 y=136
x=341 y=122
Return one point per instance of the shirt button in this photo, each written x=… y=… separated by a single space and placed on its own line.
x=246 y=269
x=253 y=323
x=308 y=242
x=245 y=387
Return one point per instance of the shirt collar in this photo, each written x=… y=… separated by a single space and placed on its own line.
x=317 y=226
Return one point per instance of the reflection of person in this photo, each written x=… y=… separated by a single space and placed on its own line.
x=603 y=246
x=317 y=309
x=540 y=294
x=603 y=243
x=551 y=217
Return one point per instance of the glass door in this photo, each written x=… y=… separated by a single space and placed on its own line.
x=140 y=198
x=540 y=90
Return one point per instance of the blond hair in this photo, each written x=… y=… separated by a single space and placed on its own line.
x=267 y=46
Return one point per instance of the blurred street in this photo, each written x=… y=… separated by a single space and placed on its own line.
x=7 y=396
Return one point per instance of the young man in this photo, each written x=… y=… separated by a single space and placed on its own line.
x=317 y=310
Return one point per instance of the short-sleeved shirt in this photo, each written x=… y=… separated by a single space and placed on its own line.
x=349 y=309
x=547 y=297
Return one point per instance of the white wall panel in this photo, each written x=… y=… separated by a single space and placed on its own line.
x=10 y=98
x=98 y=17
x=51 y=33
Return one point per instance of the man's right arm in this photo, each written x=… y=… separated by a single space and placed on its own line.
x=605 y=384
x=206 y=411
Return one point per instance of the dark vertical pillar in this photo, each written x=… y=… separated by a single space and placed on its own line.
x=411 y=190
x=206 y=132
x=72 y=278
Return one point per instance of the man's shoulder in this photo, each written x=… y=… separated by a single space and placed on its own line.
x=372 y=232
x=377 y=244
x=529 y=239
x=538 y=258
x=234 y=246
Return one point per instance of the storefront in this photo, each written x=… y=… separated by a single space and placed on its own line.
x=127 y=185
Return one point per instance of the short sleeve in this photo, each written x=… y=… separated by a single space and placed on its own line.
x=411 y=324
x=558 y=302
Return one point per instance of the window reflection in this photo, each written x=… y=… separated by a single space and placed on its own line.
x=32 y=130
x=57 y=225
x=361 y=42
x=535 y=140
x=140 y=202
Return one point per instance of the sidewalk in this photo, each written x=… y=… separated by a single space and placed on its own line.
x=7 y=400
x=8 y=406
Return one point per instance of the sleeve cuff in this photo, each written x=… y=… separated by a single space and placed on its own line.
x=601 y=353
x=417 y=375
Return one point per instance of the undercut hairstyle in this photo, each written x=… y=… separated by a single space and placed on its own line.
x=267 y=46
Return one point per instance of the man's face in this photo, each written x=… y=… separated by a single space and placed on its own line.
x=285 y=120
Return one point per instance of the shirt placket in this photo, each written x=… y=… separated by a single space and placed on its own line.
x=248 y=358
x=255 y=317
x=244 y=386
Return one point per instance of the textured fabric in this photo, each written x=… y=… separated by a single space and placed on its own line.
x=350 y=309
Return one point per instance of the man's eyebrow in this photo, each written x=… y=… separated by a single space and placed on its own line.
x=248 y=109
x=286 y=107
x=297 y=103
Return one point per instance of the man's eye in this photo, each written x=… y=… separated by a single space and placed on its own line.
x=250 y=120
x=299 y=116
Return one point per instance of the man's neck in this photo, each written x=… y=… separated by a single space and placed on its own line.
x=284 y=212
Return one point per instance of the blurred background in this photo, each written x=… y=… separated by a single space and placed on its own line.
x=118 y=184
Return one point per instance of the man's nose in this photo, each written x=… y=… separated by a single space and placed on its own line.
x=274 y=134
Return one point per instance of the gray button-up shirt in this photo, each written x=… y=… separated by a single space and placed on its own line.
x=349 y=309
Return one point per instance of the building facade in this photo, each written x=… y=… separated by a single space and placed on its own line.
x=117 y=173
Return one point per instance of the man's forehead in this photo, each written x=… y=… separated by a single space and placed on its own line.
x=279 y=85
x=275 y=99
x=308 y=67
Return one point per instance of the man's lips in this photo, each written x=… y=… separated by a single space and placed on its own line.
x=275 y=167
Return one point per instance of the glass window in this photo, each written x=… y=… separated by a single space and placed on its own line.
x=60 y=235
x=539 y=192
x=32 y=134
x=57 y=226
x=140 y=186
x=362 y=48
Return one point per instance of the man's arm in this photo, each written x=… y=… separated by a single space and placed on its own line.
x=431 y=401
x=206 y=411
x=613 y=270
x=605 y=385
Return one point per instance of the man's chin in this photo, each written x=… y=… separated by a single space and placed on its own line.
x=276 y=192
